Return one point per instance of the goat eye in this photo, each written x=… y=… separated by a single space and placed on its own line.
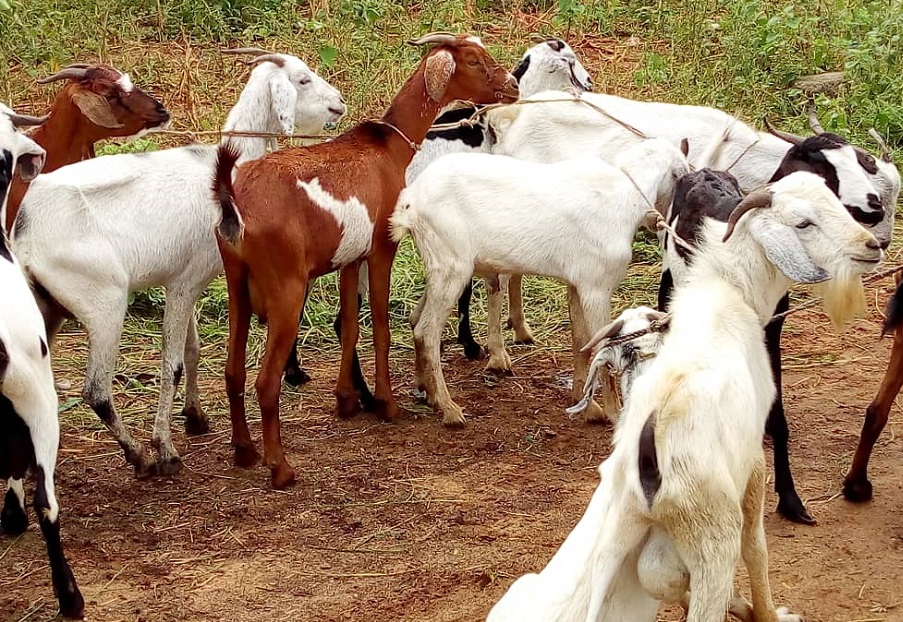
x=805 y=224
x=474 y=63
x=304 y=81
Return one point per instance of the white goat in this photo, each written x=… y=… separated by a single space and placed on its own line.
x=90 y=233
x=682 y=494
x=478 y=213
x=29 y=427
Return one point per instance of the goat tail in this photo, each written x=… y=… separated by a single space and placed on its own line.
x=231 y=227
x=402 y=221
x=894 y=311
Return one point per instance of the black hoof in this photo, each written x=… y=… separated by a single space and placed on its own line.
x=792 y=509
x=196 y=422
x=13 y=519
x=145 y=469
x=473 y=351
x=72 y=605
x=295 y=377
x=857 y=491
x=170 y=466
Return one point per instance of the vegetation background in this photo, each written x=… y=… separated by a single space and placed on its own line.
x=741 y=55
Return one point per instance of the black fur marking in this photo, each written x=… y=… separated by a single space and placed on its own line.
x=4 y=359
x=43 y=347
x=6 y=178
x=177 y=376
x=13 y=518
x=650 y=476
x=16 y=448
x=104 y=410
x=872 y=217
x=230 y=226
x=894 y=311
x=866 y=161
x=702 y=194
x=521 y=69
x=471 y=136
x=556 y=44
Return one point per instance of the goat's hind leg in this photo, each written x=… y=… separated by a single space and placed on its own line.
x=293 y=374
x=499 y=360
x=196 y=422
x=13 y=518
x=472 y=350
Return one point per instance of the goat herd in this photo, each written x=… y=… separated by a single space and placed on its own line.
x=741 y=215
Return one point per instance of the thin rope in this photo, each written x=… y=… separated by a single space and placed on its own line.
x=414 y=146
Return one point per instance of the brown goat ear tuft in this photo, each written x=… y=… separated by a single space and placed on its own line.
x=96 y=108
x=438 y=71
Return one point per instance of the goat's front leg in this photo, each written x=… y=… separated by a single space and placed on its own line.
x=790 y=505
x=499 y=361
x=13 y=518
x=589 y=311
x=380 y=271
x=196 y=421
x=517 y=319
x=103 y=322
x=754 y=549
x=176 y=320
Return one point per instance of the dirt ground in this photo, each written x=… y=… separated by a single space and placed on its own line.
x=417 y=523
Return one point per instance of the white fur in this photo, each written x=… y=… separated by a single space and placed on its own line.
x=125 y=83
x=708 y=393
x=572 y=220
x=96 y=230
x=351 y=215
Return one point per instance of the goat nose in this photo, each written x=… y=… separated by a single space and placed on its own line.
x=873 y=244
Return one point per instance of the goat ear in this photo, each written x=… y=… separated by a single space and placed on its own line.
x=96 y=108
x=284 y=99
x=784 y=250
x=685 y=147
x=438 y=71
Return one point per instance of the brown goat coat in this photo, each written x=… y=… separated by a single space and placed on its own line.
x=68 y=136
x=288 y=239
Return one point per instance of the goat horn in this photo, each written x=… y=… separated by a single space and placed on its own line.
x=603 y=334
x=539 y=38
x=439 y=38
x=754 y=200
x=790 y=138
x=26 y=120
x=264 y=58
x=886 y=155
x=72 y=72
x=813 y=120
x=254 y=51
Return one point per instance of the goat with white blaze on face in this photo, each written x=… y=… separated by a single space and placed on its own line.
x=681 y=496
x=29 y=427
x=90 y=233
x=554 y=130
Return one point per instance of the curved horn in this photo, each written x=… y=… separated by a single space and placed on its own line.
x=264 y=58
x=254 y=51
x=813 y=120
x=439 y=38
x=790 y=138
x=72 y=72
x=603 y=334
x=886 y=155
x=754 y=200
x=26 y=120
x=536 y=38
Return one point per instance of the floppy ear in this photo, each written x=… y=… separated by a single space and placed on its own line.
x=284 y=98
x=438 y=71
x=96 y=108
x=784 y=250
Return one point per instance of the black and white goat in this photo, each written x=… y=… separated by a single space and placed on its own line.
x=29 y=425
x=89 y=233
x=681 y=496
x=869 y=188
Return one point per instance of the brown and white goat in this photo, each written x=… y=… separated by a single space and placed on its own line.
x=297 y=214
x=97 y=102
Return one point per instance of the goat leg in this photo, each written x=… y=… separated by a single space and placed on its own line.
x=472 y=350
x=368 y=402
x=294 y=374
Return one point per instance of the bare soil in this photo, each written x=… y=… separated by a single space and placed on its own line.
x=413 y=522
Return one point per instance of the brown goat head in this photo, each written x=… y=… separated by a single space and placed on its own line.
x=460 y=67
x=107 y=98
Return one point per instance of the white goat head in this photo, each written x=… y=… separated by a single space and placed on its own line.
x=18 y=153
x=301 y=100
x=807 y=233
x=551 y=65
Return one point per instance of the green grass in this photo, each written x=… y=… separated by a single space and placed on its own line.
x=740 y=55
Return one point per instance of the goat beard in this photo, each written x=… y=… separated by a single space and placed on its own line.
x=843 y=297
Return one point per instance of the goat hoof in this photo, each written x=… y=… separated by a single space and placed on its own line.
x=282 y=476
x=528 y=341
x=72 y=604
x=145 y=467
x=499 y=364
x=245 y=456
x=454 y=418
x=472 y=350
x=857 y=490
x=369 y=404
x=784 y=615
x=169 y=466
x=347 y=405
x=13 y=518
x=196 y=422
x=595 y=414
x=295 y=376
x=792 y=509
x=385 y=410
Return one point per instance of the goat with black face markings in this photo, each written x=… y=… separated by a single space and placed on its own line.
x=29 y=427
